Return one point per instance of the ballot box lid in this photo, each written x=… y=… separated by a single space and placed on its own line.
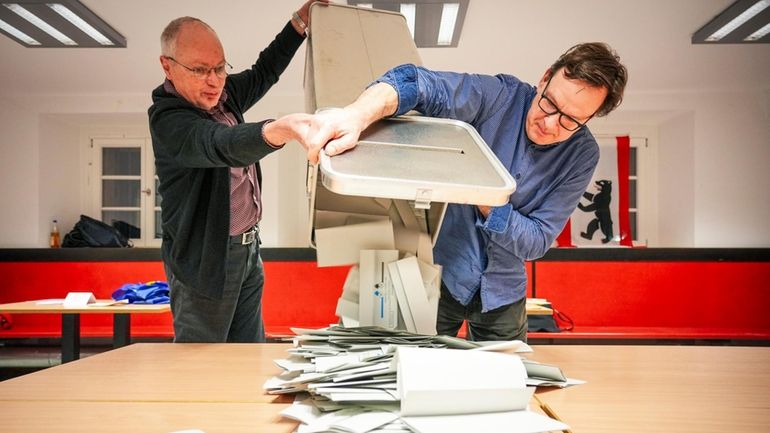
x=420 y=159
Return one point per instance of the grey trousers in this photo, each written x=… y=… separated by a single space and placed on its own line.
x=508 y=322
x=237 y=317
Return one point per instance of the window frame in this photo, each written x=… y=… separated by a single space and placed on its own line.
x=147 y=180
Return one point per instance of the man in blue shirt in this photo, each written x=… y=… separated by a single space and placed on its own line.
x=538 y=133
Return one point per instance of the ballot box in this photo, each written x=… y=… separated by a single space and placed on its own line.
x=380 y=206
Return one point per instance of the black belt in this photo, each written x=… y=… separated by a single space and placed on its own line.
x=246 y=238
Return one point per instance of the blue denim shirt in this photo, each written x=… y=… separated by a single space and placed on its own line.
x=489 y=254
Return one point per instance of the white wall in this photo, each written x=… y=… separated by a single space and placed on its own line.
x=711 y=182
x=676 y=177
x=726 y=160
x=19 y=176
x=59 y=193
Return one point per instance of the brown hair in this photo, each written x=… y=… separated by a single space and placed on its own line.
x=598 y=65
x=168 y=37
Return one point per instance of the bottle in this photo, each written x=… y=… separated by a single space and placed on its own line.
x=55 y=239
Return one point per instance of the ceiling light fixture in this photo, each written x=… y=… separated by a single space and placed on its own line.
x=56 y=24
x=739 y=20
x=759 y=34
x=42 y=25
x=432 y=23
x=448 y=21
x=409 y=11
x=18 y=34
x=79 y=23
x=742 y=22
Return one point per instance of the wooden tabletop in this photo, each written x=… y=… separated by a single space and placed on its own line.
x=666 y=389
x=140 y=417
x=157 y=372
x=48 y=306
x=630 y=389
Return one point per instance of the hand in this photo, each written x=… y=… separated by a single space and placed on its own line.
x=336 y=130
x=339 y=130
x=485 y=210
x=304 y=14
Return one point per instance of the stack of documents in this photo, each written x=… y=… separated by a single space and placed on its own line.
x=377 y=380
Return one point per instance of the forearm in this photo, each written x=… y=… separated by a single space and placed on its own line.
x=376 y=102
x=526 y=237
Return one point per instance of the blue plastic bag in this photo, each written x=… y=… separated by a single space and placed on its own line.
x=151 y=292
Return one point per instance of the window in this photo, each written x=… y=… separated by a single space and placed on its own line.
x=124 y=188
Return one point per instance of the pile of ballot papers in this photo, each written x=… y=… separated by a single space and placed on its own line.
x=371 y=379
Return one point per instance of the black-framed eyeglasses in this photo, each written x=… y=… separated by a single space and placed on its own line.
x=201 y=72
x=565 y=120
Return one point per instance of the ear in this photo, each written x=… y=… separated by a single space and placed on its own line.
x=544 y=78
x=166 y=65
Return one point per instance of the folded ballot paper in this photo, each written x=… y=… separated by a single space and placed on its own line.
x=370 y=379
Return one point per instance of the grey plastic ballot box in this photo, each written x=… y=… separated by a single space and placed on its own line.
x=424 y=161
x=420 y=159
x=404 y=169
x=350 y=46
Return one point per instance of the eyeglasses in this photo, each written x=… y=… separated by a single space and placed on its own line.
x=565 y=120
x=201 y=73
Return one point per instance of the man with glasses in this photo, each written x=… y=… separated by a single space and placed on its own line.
x=539 y=135
x=207 y=161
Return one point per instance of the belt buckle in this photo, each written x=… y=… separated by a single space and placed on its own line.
x=248 y=237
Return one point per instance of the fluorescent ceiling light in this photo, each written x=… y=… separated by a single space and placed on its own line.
x=18 y=34
x=409 y=10
x=79 y=23
x=739 y=20
x=759 y=34
x=431 y=23
x=448 y=19
x=42 y=25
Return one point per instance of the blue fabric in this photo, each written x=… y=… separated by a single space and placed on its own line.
x=152 y=292
x=488 y=254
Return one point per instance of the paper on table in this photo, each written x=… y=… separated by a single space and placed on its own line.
x=78 y=299
x=109 y=303
x=520 y=421
x=50 y=302
x=443 y=382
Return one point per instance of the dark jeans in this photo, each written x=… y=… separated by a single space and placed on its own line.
x=508 y=322
x=237 y=317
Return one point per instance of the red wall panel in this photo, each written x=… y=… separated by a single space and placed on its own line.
x=734 y=295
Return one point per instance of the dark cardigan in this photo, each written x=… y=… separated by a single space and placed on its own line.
x=193 y=154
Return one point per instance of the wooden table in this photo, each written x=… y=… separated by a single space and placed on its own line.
x=218 y=388
x=665 y=389
x=139 y=417
x=70 y=325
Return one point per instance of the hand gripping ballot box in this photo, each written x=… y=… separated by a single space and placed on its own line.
x=380 y=205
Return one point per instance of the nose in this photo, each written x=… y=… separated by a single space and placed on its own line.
x=212 y=78
x=551 y=121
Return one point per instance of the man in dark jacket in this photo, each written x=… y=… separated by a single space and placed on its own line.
x=207 y=161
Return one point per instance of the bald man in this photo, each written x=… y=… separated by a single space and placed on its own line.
x=207 y=161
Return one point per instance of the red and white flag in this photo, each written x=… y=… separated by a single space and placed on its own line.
x=601 y=217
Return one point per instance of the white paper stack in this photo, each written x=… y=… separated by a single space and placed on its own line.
x=371 y=379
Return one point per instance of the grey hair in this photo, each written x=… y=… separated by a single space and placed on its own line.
x=168 y=37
